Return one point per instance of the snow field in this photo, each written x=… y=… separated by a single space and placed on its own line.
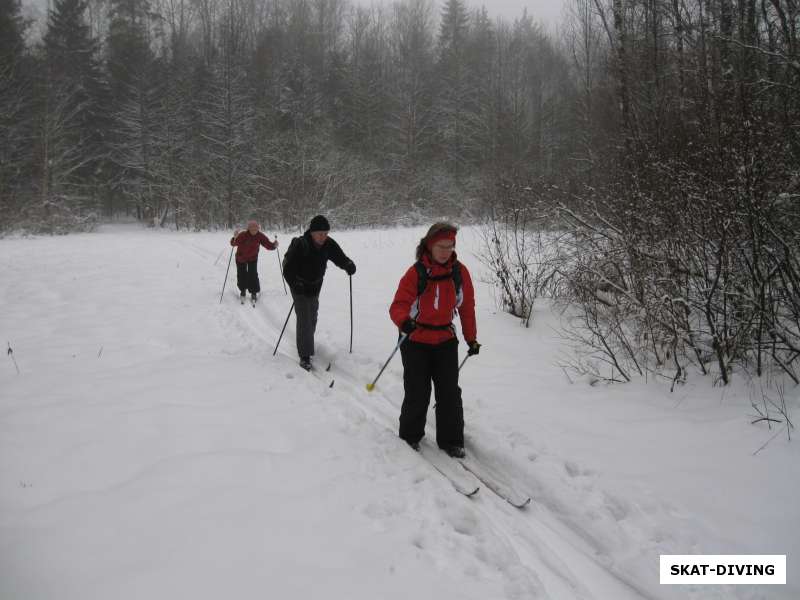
x=153 y=447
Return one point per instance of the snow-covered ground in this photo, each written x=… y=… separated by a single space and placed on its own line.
x=152 y=447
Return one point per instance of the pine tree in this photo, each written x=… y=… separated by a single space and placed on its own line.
x=413 y=72
x=133 y=101
x=454 y=90
x=74 y=88
x=12 y=32
x=15 y=117
x=365 y=96
x=480 y=102
x=228 y=118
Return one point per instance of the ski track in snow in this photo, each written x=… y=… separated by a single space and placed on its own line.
x=540 y=553
x=556 y=548
x=575 y=540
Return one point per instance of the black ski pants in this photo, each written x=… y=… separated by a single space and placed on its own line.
x=424 y=364
x=247 y=277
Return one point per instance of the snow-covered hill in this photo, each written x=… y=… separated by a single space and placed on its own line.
x=152 y=447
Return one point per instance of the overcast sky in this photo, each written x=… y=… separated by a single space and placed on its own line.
x=547 y=11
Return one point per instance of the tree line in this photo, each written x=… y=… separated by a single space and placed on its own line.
x=197 y=113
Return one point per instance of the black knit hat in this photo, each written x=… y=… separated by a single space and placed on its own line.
x=319 y=223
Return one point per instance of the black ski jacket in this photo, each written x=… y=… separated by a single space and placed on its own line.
x=304 y=263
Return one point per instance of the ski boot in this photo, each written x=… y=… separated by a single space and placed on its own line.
x=455 y=451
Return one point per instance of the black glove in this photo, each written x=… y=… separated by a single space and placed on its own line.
x=408 y=326
x=350 y=268
x=474 y=348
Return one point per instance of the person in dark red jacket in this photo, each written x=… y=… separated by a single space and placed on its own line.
x=247 y=245
x=430 y=353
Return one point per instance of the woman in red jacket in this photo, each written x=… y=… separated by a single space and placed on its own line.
x=430 y=294
x=247 y=245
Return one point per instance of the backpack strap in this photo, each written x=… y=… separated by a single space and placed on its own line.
x=457 y=277
x=422 y=282
x=423 y=277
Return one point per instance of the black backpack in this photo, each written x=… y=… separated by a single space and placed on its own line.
x=304 y=248
x=423 y=277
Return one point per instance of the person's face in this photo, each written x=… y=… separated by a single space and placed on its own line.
x=252 y=228
x=442 y=250
x=319 y=237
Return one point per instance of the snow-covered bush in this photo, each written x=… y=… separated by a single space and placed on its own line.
x=521 y=249
x=670 y=272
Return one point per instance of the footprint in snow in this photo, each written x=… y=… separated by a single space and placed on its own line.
x=618 y=507
x=572 y=469
x=463 y=521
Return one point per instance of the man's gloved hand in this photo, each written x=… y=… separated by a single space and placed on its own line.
x=474 y=348
x=408 y=326
x=350 y=268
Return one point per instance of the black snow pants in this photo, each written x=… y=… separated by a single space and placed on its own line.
x=247 y=277
x=424 y=364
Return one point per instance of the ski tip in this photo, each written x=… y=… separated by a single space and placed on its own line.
x=332 y=382
x=328 y=368
x=370 y=387
x=522 y=504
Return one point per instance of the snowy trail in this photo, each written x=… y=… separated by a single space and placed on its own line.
x=153 y=447
x=553 y=530
x=536 y=546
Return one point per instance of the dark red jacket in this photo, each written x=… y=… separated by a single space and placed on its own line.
x=437 y=305
x=247 y=245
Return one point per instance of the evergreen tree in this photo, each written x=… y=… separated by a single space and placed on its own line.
x=75 y=84
x=133 y=99
x=481 y=109
x=12 y=32
x=15 y=117
x=454 y=90
x=413 y=74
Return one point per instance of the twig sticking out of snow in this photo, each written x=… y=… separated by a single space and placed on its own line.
x=11 y=356
x=769 y=440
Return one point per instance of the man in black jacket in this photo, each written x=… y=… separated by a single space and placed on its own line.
x=304 y=268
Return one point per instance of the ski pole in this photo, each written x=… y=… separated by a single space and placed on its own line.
x=226 y=276
x=291 y=308
x=371 y=386
x=351 y=313
x=280 y=266
x=463 y=361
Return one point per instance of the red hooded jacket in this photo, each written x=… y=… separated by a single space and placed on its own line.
x=247 y=245
x=437 y=305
